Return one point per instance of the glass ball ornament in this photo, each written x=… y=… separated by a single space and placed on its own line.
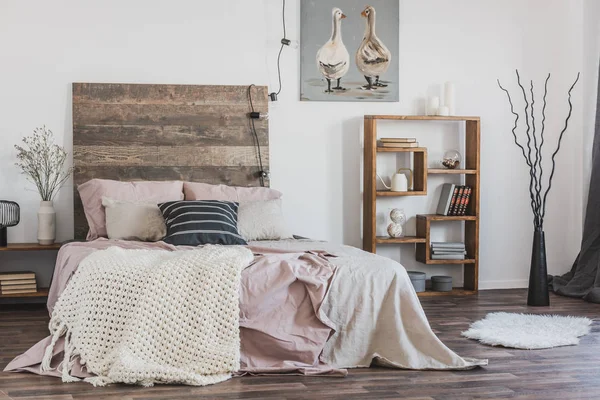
x=451 y=159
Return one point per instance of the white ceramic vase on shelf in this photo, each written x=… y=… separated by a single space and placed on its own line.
x=46 y=223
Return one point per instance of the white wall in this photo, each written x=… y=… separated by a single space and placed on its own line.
x=315 y=147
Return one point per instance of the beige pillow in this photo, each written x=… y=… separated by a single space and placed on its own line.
x=133 y=220
x=92 y=191
x=262 y=220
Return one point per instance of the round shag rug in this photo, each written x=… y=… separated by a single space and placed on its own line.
x=528 y=331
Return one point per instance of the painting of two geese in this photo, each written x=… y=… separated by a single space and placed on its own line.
x=349 y=50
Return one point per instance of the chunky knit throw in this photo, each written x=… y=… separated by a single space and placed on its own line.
x=152 y=316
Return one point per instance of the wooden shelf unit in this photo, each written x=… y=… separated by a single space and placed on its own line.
x=420 y=171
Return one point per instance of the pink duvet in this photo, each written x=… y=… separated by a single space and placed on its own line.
x=282 y=326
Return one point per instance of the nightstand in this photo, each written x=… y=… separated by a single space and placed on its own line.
x=27 y=247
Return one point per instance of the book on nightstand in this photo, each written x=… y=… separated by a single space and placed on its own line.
x=17 y=282
x=19 y=291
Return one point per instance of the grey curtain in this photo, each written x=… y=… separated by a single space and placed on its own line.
x=584 y=278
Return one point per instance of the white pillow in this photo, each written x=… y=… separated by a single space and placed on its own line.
x=262 y=220
x=134 y=220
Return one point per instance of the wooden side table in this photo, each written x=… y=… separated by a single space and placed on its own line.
x=41 y=292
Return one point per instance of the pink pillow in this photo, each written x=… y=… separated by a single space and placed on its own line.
x=205 y=191
x=91 y=193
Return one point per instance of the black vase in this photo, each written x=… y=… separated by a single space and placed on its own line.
x=538 y=295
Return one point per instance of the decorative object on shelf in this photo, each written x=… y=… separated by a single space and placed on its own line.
x=43 y=162
x=395 y=230
x=396 y=227
x=538 y=278
x=443 y=111
x=364 y=66
x=398 y=216
x=433 y=103
x=449 y=98
x=441 y=283
x=451 y=159
x=400 y=183
x=10 y=215
x=418 y=280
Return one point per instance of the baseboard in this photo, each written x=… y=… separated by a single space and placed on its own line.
x=511 y=284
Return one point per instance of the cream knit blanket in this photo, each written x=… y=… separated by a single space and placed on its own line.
x=152 y=316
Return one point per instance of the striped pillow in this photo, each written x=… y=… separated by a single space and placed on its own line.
x=198 y=222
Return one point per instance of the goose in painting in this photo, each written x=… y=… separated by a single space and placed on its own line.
x=372 y=57
x=333 y=59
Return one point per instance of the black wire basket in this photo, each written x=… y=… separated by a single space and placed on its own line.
x=10 y=215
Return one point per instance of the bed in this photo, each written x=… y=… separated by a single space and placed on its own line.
x=306 y=306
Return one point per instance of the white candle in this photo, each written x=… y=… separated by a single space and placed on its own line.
x=433 y=105
x=449 y=100
x=443 y=111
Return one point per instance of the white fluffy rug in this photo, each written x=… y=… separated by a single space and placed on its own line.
x=528 y=331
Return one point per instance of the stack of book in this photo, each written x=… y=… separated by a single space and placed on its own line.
x=454 y=199
x=21 y=282
x=448 y=251
x=398 y=142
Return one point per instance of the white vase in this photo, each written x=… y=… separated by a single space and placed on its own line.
x=46 y=223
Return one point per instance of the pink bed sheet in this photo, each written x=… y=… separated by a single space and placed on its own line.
x=282 y=327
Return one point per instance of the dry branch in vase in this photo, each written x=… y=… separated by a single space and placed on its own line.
x=538 y=192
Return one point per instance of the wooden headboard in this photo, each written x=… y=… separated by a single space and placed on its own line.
x=165 y=132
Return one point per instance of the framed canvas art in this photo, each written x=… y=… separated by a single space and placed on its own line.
x=349 y=50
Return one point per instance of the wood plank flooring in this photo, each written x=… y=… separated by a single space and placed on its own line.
x=568 y=373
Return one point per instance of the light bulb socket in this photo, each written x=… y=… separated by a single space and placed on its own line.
x=258 y=115
x=273 y=96
x=286 y=42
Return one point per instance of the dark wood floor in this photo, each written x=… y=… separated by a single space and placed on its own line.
x=571 y=372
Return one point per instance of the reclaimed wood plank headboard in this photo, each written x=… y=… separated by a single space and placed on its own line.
x=165 y=132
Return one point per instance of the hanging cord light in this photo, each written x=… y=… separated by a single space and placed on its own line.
x=262 y=174
x=284 y=42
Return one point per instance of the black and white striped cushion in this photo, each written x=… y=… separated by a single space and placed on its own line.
x=198 y=222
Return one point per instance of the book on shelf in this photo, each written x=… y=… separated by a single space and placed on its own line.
x=463 y=201
x=19 y=291
x=456 y=204
x=398 y=140
x=446 y=198
x=447 y=257
x=449 y=252
x=398 y=145
x=451 y=245
x=16 y=275
x=454 y=200
x=17 y=282
x=466 y=203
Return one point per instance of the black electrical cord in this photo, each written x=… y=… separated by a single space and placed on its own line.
x=261 y=173
x=281 y=48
